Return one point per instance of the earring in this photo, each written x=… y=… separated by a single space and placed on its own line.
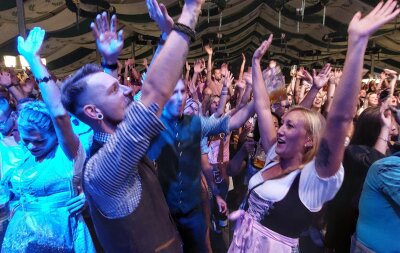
x=100 y=116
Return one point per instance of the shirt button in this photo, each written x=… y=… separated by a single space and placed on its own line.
x=180 y=154
x=179 y=144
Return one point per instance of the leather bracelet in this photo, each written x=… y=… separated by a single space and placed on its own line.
x=109 y=66
x=43 y=80
x=185 y=30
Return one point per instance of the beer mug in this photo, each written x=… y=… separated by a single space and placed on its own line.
x=259 y=157
x=275 y=84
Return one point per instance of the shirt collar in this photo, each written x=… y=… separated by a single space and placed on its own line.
x=101 y=137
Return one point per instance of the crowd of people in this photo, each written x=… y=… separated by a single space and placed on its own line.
x=193 y=157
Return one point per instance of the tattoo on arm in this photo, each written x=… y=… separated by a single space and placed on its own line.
x=324 y=154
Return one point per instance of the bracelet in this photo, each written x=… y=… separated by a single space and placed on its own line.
x=185 y=30
x=386 y=140
x=109 y=66
x=9 y=86
x=43 y=80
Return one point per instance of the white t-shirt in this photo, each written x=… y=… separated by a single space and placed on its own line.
x=314 y=191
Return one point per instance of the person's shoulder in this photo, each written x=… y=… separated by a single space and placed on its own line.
x=387 y=164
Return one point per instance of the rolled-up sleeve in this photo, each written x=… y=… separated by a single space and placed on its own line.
x=111 y=176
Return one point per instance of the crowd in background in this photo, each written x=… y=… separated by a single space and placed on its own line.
x=188 y=156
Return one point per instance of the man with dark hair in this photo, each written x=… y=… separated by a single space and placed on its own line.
x=125 y=198
x=178 y=156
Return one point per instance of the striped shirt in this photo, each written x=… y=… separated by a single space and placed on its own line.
x=111 y=176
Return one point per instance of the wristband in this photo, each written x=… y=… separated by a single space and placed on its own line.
x=43 y=80
x=109 y=66
x=9 y=86
x=185 y=30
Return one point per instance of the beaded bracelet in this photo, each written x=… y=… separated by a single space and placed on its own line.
x=185 y=30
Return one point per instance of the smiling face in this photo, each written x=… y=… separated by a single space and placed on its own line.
x=373 y=99
x=292 y=136
x=317 y=103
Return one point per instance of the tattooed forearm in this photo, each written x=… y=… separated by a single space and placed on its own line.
x=324 y=154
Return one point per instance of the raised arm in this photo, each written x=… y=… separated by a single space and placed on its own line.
x=331 y=149
x=164 y=73
x=159 y=13
x=12 y=86
x=209 y=51
x=227 y=82
x=242 y=67
x=261 y=98
x=108 y=41
x=241 y=116
x=30 y=49
x=318 y=82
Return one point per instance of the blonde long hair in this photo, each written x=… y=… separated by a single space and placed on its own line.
x=315 y=125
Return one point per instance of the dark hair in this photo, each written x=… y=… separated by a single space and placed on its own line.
x=75 y=85
x=367 y=127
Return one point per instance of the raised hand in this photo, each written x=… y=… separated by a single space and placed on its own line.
x=159 y=13
x=228 y=79
x=187 y=66
x=5 y=79
x=145 y=63
x=383 y=76
x=304 y=75
x=129 y=62
x=208 y=49
x=386 y=114
x=364 y=27
x=199 y=65
x=109 y=43
x=322 y=78
x=248 y=78
x=259 y=53
x=30 y=47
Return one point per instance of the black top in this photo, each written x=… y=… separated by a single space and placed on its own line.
x=289 y=216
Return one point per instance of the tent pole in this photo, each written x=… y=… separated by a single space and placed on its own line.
x=21 y=18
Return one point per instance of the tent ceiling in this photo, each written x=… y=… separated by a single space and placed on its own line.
x=69 y=43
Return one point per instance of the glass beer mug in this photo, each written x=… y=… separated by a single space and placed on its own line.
x=259 y=157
